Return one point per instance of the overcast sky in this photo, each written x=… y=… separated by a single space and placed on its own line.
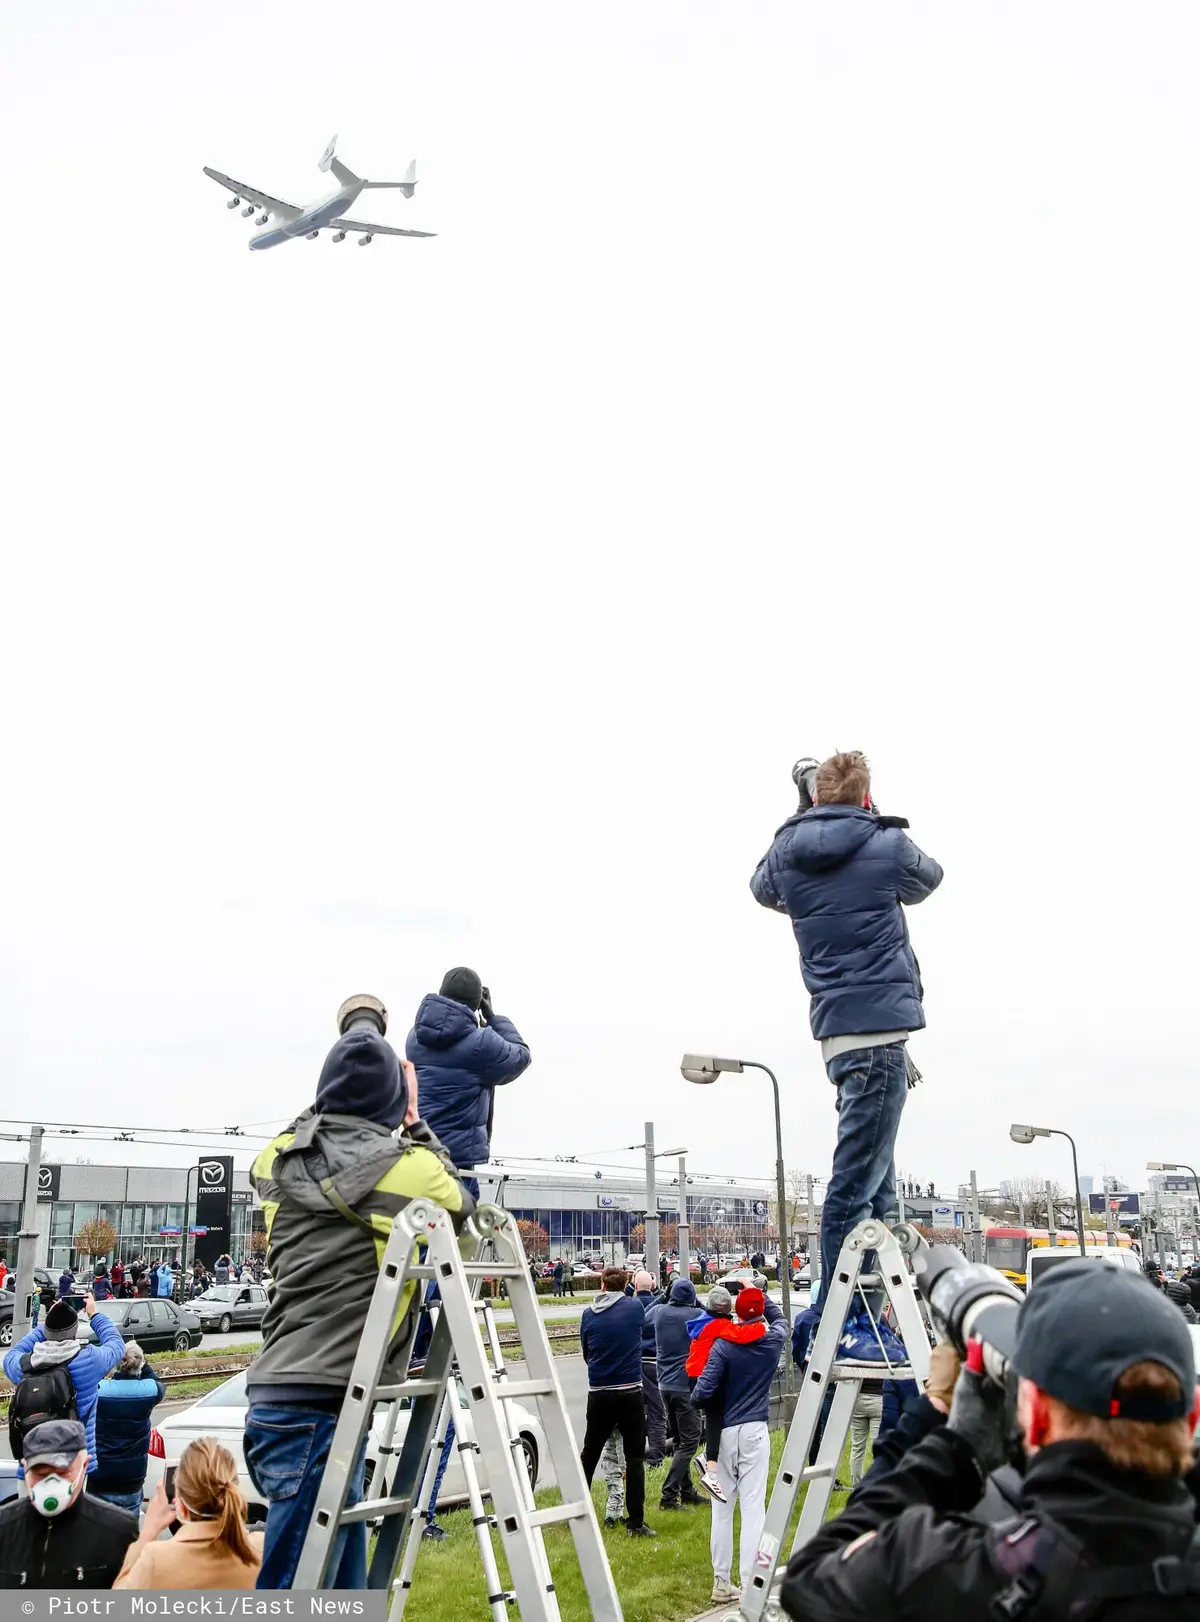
x=781 y=379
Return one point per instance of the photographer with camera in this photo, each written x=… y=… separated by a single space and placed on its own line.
x=844 y=874
x=1092 y=1384
x=463 y=1050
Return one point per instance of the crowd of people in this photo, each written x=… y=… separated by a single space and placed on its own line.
x=1098 y=1407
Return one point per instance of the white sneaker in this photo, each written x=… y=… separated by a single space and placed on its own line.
x=708 y=1479
x=724 y=1593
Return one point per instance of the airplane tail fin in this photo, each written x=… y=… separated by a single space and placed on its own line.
x=408 y=185
x=328 y=161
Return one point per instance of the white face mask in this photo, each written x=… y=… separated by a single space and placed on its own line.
x=52 y=1494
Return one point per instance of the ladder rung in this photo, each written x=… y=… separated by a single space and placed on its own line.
x=558 y=1512
x=410 y=1388
x=848 y=1369
x=514 y=1390
x=371 y=1507
x=489 y=1270
x=817 y=1472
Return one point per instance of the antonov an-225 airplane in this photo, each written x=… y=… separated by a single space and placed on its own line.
x=329 y=212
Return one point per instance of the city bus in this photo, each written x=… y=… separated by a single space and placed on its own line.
x=1007 y=1249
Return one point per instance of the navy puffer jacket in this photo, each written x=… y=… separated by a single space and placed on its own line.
x=841 y=875
x=458 y=1063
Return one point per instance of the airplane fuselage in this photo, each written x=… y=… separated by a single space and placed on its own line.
x=315 y=217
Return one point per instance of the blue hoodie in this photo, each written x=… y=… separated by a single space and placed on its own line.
x=458 y=1063
x=843 y=876
x=610 y=1334
x=672 y=1338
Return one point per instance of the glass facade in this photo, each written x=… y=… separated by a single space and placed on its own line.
x=724 y=1223
x=137 y=1228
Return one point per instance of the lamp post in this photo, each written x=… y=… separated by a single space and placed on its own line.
x=1026 y=1134
x=703 y=1071
x=1179 y=1165
x=651 y=1223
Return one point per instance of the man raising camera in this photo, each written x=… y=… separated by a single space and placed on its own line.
x=1103 y=1524
x=843 y=874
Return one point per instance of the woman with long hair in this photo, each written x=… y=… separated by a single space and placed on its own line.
x=212 y=1548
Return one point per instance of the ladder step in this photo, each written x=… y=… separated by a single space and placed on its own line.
x=514 y=1390
x=370 y=1508
x=409 y=1388
x=848 y=1369
x=558 y=1512
x=490 y=1270
x=817 y=1472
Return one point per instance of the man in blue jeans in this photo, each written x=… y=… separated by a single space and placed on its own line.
x=331 y=1187
x=843 y=874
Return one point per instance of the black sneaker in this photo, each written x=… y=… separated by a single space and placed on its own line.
x=692 y=1498
x=437 y=1533
x=642 y=1531
x=613 y=1520
x=669 y=1503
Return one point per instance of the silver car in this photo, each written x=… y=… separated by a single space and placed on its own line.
x=223 y=1307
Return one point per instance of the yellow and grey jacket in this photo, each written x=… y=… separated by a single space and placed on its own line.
x=323 y=1262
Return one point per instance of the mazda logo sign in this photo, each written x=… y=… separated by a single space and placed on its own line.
x=211 y=1171
x=45 y=1179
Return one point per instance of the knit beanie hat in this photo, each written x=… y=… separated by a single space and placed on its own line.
x=465 y=986
x=750 y=1303
x=719 y=1302
x=60 y=1321
x=362 y=1076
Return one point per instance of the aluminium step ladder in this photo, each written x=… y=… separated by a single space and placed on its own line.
x=892 y=1276
x=487 y=1431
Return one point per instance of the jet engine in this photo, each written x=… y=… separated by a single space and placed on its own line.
x=362 y=241
x=233 y=202
x=246 y=212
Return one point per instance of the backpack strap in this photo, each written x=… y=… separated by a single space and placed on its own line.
x=340 y=1206
x=1170 y=1576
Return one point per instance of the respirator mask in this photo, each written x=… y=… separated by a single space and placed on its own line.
x=52 y=1494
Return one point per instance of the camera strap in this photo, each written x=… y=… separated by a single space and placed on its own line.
x=1054 y=1580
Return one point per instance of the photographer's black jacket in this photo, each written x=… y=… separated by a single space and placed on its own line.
x=907 y=1550
x=81 y=1548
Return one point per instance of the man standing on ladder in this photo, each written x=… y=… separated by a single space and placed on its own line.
x=330 y=1188
x=843 y=875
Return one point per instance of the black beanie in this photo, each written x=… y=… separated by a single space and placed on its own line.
x=362 y=1076
x=465 y=986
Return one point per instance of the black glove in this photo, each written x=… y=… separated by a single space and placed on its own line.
x=485 y=1006
x=977 y=1415
x=804 y=775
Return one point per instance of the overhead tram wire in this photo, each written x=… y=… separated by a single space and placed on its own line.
x=111 y=1126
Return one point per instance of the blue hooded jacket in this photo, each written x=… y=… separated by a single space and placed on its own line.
x=458 y=1063
x=610 y=1337
x=87 y=1366
x=736 y=1382
x=672 y=1339
x=842 y=874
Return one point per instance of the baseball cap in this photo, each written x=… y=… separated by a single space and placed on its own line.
x=55 y=1441
x=1086 y=1324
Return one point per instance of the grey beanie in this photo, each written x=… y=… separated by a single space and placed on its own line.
x=465 y=986
x=719 y=1302
x=61 y=1320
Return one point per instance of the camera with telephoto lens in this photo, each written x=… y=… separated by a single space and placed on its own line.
x=970 y=1301
x=804 y=775
x=362 y=1010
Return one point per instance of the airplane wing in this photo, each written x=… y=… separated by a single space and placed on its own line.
x=273 y=205
x=379 y=230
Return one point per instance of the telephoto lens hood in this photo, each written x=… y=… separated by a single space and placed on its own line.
x=969 y=1301
x=362 y=1010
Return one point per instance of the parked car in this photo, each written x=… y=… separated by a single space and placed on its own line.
x=222 y=1413
x=230 y=1306
x=157 y=1326
x=9 y=1482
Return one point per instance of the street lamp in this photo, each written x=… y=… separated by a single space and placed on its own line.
x=1026 y=1134
x=1178 y=1165
x=703 y=1070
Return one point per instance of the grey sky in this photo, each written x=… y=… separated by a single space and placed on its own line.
x=781 y=379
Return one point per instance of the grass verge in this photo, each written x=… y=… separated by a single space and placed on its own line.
x=666 y=1580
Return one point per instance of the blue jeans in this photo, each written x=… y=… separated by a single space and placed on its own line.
x=447 y=1445
x=286 y=1446
x=871 y=1088
x=132 y=1501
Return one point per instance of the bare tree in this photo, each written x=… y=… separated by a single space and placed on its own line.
x=1029 y=1193
x=796 y=1208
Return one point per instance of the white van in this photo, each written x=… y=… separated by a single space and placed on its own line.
x=1042 y=1259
